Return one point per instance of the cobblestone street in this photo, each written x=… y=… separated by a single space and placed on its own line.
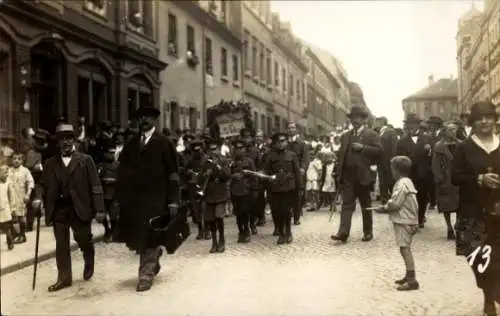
x=310 y=277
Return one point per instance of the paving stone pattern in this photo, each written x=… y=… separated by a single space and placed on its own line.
x=310 y=277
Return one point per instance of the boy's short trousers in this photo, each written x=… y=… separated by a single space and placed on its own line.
x=312 y=185
x=404 y=234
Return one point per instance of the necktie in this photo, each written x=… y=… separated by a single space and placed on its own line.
x=67 y=155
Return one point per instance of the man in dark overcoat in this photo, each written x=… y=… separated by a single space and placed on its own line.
x=360 y=148
x=297 y=145
x=71 y=193
x=147 y=187
x=435 y=128
x=388 y=140
x=417 y=146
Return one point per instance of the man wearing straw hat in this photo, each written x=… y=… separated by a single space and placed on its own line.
x=72 y=193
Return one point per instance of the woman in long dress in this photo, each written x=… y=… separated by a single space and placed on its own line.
x=476 y=171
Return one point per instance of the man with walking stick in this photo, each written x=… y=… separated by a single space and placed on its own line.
x=71 y=193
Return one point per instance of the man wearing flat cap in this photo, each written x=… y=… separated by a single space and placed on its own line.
x=71 y=193
x=148 y=186
x=282 y=163
x=417 y=146
x=360 y=148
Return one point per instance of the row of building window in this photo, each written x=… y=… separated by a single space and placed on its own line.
x=257 y=60
x=173 y=50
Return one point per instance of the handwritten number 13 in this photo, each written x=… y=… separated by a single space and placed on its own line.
x=485 y=255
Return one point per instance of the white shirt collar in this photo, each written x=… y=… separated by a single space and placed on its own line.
x=148 y=134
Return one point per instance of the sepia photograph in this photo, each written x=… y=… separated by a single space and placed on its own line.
x=250 y=158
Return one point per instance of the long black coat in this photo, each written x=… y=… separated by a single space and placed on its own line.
x=421 y=158
x=148 y=181
x=84 y=186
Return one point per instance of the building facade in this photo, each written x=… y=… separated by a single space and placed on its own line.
x=91 y=58
x=438 y=98
x=202 y=45
x=478 y=55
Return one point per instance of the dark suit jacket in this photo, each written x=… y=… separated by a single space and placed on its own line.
x=421 y=158
x=300 y=149
x=84 y=185
x=388 y=140
x=368 y=156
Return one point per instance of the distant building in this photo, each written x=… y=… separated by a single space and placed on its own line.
x=478 y=55
x=439 y=98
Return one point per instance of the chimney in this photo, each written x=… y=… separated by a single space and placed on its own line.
x=431 y=79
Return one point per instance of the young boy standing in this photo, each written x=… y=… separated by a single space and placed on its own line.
x=22 y=184
x=402 y=208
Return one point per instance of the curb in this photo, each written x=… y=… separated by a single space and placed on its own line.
x=41 y=257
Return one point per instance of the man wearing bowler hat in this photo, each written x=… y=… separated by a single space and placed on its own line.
x=417 y=146
x=71 y=193
x=360 y=148
x=148 y=186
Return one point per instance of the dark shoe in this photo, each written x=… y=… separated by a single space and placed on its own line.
x=296 y=222
x=20 y=239
x=214 y=248
x=421 y=225
x=367 y=237
x=10 y=245
x=59 y=285
x=29 y=228
x=88 y=271
x=107 y=237
x=253 y=229
x=221 y=248
x=275 y=232
x=199 y=236
x=289 y=239
x=281 y=240
x=339 y=237
x=144 y=285
x=451 y=234
x=400 y=281
x=261 y=222
x=246 y=238
x=489 y=309
x=409 y=286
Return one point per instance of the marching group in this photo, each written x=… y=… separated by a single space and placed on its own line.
x=74 y=176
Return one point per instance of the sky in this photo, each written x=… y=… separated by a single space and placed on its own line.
x=388 y=47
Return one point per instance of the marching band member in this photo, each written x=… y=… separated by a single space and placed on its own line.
x=216 y=175
x=243 y=190
x=192 y=179
x=260 y=202
x=252 y=153
x=283 y=163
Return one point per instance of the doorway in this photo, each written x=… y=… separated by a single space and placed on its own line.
x=174 y=115
x=47 y=83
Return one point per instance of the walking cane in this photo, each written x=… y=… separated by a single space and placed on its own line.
x=37 y=244
x=333 y=207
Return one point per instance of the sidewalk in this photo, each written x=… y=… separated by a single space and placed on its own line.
x=23 y=255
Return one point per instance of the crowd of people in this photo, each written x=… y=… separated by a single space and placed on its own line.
x=77 y=173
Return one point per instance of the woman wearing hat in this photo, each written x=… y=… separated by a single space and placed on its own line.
x=476 y=171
